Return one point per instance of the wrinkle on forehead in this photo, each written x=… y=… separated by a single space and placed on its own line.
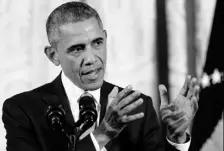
x=83 y=31
x=81 y=27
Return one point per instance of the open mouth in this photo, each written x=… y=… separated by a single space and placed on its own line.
x=92 y=74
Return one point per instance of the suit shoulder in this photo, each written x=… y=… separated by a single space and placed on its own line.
x=27 y=95
x=110 y=85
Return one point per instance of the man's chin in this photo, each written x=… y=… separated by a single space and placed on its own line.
x=91 y=86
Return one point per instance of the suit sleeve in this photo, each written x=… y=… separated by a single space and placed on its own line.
x=153 y=137
x=19 y=132
x=86 y=144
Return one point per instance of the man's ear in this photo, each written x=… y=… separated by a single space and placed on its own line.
x=52 y=55
x=105 y=32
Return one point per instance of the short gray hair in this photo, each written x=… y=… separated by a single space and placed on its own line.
x=70 y=12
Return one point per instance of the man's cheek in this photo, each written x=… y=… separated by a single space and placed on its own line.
x=103 y=57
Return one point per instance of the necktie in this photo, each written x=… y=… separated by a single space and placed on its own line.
x=91 y=129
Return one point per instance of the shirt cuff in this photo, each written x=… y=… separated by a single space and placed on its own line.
x=181 y=147
x=97 y=147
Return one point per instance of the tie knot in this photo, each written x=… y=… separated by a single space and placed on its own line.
x=87 y=95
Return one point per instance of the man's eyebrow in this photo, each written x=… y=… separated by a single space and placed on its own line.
x=74 y=46
x=98 y=39
x=83 y=45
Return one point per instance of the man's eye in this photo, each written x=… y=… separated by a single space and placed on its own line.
x=77 y=49
x=98 y=43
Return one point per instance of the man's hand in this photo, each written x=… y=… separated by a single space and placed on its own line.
x=116 y=116
x=178 y=114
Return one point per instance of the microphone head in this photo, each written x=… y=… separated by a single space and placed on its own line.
x=56 y=117
x=87 y=108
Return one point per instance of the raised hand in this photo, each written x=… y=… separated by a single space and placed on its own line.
x=116 y=116
x=178 y=114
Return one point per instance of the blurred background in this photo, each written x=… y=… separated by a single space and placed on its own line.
x=150 y=42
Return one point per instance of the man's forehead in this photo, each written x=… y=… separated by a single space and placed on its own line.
x=80 y=28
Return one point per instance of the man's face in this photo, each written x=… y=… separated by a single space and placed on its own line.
x=82 y=53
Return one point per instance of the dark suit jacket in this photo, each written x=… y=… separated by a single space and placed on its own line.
x=28 y=130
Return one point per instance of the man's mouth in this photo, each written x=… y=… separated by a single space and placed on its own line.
x=92 y=74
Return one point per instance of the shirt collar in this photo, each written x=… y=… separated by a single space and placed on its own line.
x=74 y=91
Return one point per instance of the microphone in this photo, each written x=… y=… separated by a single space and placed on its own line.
x=56 y=117
x=87 y=112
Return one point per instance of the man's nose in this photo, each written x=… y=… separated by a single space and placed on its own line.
x=90 y=57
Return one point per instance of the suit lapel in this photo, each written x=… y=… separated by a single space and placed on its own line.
x=104 y=92
x=64 y=100
x=104 y=99
x=59 y=96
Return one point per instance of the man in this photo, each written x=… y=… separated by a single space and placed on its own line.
x=127 y=119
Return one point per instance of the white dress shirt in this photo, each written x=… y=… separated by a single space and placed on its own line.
x=73 y=93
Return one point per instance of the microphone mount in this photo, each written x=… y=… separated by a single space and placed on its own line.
x=55 y=115
x=87 y=113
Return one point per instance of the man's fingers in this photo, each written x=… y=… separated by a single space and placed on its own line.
x=165 y=113
x=172 y=107
x=123 y=93
x=195 y=104
x=174 y=125
x=191 y=88
x=128 y=99
x=180 y=129
x=177 y=123
x=131 y=107
x=168 y=109
x=131 y=118
x=163 y=95
x=112 y=95
x=172 y=116
x=184 y=89
x=196 y=92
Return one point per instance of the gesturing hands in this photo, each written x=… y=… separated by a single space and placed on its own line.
x=178 y=114
x=116 y=116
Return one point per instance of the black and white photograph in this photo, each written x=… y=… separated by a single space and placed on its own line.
x=111 y=75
